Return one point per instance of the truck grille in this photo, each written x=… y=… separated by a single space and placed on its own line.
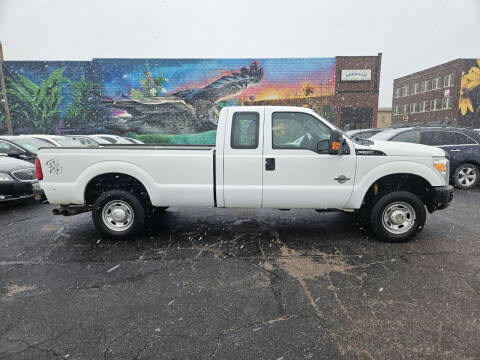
x=25 y=175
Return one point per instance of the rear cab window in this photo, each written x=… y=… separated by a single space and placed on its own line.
x=245 y=127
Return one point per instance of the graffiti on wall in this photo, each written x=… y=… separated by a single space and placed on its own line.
x=157 y=97
x=469 y=102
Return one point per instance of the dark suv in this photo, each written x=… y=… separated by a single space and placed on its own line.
x=461 y=144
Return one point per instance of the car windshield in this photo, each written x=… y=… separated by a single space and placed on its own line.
x=102 y=140
x=65 y=141
x=31 y=144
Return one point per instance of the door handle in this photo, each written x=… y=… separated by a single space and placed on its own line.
x=269 y=164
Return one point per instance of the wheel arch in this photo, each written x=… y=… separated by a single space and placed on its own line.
x=121 y=175
x=115 y=181
x=413 y=183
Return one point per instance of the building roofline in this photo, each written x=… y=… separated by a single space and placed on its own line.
x=359 y=56
x=430 y=68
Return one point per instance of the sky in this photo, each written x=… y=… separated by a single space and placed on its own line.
x=411 y=34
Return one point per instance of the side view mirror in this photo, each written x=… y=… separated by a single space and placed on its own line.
x=335 y=143
x=15 y=154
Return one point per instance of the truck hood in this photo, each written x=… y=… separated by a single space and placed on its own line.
x=395 y=148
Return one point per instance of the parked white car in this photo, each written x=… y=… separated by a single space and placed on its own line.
x=114 y=139
x=265 y=157
x=90 y=140
x=55 y=140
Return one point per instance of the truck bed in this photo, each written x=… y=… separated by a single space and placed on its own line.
x=174 y=175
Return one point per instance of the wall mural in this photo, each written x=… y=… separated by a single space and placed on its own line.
x=157 y=100
x=469 y=102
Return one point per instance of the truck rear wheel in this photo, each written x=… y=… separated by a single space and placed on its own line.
x=118 y=214
x=398 y=216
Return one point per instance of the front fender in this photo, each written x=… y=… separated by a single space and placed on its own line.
x=364 y=181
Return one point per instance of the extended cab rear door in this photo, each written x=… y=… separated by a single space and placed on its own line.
x=296 y=174
x=242 y=158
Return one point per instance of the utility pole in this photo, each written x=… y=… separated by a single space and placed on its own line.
x=4 y=94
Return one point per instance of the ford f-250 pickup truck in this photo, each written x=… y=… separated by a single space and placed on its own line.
x=265 y=157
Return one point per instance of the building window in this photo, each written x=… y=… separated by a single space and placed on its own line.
x=415 y=88
x=435 y=83
x=412 y=108
x=424 y=86
x=410 y=89
x=446 y=103
x=398 y=92
x=432 y=105
x=397 y=110
x=429 y=85
x=448 y=80
x=427 y=105
x=405 y=109
x=405 y=90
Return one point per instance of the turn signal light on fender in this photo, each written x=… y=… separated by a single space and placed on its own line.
x=439 y=166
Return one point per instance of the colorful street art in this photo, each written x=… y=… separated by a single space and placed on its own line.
x=469 y=102
x=158 y=100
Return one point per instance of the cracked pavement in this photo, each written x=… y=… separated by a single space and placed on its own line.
x=239 y=284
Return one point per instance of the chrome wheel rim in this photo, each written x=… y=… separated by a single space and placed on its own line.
x=117 y=215
x=398 y=218
x=467 y=176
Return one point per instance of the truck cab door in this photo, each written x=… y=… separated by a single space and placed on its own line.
x=298 y=171
x=242 y=158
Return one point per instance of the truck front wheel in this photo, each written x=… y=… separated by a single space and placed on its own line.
x=398 y=216
x=118 y=214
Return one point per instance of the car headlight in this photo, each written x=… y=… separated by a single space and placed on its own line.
x=442 y=164
x=5 y=177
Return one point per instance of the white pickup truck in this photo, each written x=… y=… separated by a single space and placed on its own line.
x=265 y=157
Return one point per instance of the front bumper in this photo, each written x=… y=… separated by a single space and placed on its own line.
x=10 y=191
x=441 y=198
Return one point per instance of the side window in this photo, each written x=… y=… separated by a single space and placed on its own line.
x=245 y=127
x=296 y=130
x=462 y=139
x=6 y=148
x=450 y=138
x=409 y=137
x=433 y=138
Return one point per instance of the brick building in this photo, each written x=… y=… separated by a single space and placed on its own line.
x=357 y=82
x=384 y=117
x=430 y=96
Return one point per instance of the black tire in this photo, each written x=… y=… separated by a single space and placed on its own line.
x=400 y=205
x=118 y=228
x=466 y=176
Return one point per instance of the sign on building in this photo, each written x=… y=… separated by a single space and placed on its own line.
x=357 y=75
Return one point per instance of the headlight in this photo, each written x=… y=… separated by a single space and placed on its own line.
x=443 y=167
x=5 y=177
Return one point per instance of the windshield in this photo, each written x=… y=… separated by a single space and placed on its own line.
x=31 y=144
x=102 y=140
x=65 y=141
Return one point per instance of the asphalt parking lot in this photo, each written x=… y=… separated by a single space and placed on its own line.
x=232 y=284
